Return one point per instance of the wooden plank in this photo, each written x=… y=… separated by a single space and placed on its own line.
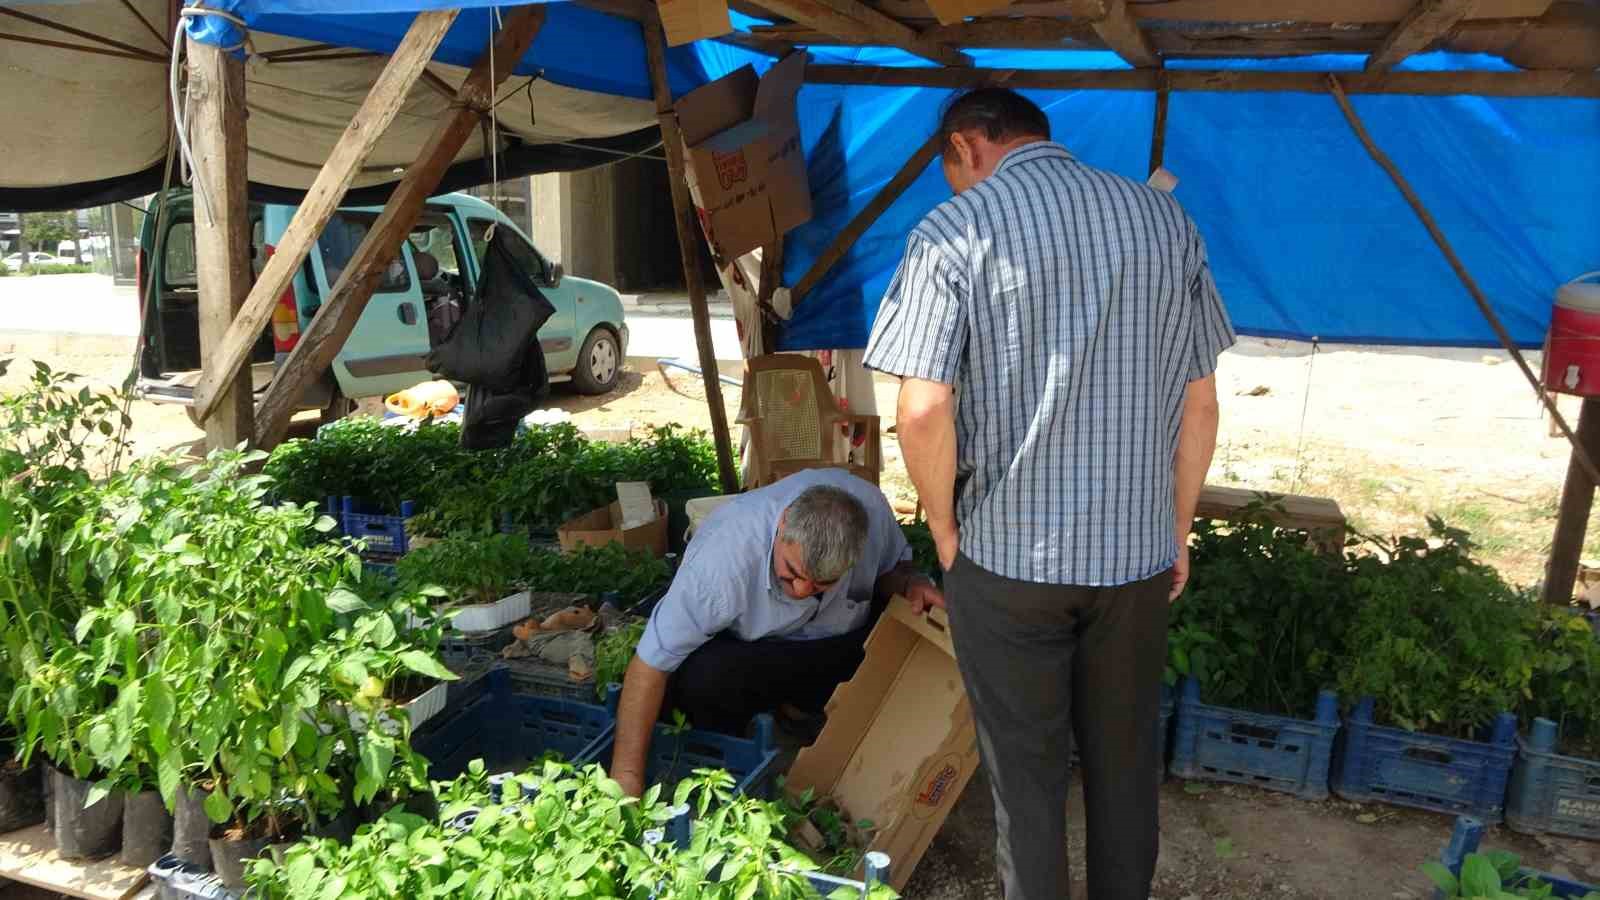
x=861 y=221
x=326 y=333
x=1486 y=84
x=1572 y=522
x=1353 y=12
x=1116 y=26
x=1300 y=511
x=655 y=45
x=221 y=223
x=30 y=856
x=1158 y=132
x=1427 y=22
x=854 y=20
x=378 y=110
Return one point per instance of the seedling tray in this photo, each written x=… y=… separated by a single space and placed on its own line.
x=1551 y=793
x=510 y=731
x=1279 y=753
x=1466 y=836
x=384 y=535
x=1424 y=771
x=751 y=761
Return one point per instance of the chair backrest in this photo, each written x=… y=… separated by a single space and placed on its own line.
x=789 y=396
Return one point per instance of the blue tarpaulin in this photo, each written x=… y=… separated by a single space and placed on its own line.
x=1308 y=237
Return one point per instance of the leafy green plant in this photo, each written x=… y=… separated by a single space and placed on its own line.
x=1440 y=641
x=588 y=569
x=924 y=552
x=1566 y=680
x=480 y=569
x=1491 y=876
x=613 y=652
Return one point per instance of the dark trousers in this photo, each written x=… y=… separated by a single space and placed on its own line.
x=1043 y=663
x=726 y=682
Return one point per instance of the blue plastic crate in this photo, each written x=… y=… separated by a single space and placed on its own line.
x=510 y=731
x=751 y=761
x=384 y=536
x=1425 y=771
x=1466 y=836
x=1215 y=743
x=1163 y=733
x=1551 y=793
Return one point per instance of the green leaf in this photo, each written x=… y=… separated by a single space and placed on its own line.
x=424 y=664
x=1478 y=877
x=169 y=775
x=100 y=790
x=343 y=600
x=324 y=524
x=1442 y=878
x=218 y=807
x=159 y=704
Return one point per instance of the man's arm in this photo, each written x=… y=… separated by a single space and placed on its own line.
x=908 y=581
x=1197 y=442
x=925 y=421
x=643 y=690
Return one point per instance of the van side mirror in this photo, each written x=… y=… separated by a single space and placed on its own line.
x=554 y=275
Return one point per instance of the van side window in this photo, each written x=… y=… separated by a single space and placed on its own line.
x=527 y=258
x=338 y=243
x=177 y=264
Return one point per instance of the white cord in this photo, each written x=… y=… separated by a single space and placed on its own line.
x=495 y=24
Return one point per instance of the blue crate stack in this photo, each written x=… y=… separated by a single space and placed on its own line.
x=1215 y=743
x=1407 y=768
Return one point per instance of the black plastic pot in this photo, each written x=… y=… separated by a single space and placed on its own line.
x=21 y=796
x=228 y=858
x=84 y=833
x=146 y=829
x=191 y=829
x=340 y=828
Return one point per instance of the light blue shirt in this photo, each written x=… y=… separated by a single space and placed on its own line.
x=726 y=582
x=1071 y=308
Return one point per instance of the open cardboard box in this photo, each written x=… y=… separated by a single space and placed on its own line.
x=746 y=169
x=602 y=526
x=900 y=744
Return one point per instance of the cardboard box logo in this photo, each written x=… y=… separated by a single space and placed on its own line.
x=731 y=169
x=936 y=789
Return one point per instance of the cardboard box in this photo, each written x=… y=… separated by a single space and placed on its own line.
x=900 y=744
x=747 y=172
x=686 y=21
x=602 y=526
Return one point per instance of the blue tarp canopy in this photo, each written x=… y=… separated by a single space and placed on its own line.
x=1308 y=237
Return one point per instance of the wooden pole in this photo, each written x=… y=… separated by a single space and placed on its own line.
x=858 y=225
x=655 y=44
x=221 y=224
x=366 y=127
x=1577 y=499
x=1158 y=135
x=326 y=333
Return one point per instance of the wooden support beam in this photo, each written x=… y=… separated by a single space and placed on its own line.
x=378 y=110
x=1487 y=84
x=854 y=20
x=1572 y=523
x=655 y=45
x=321 y=341
x=1158 y=133
x=1116 y=26
x=1427 y=22
x=216 y=119
x=861 y=221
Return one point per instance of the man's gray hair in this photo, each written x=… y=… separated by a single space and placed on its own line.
x=830 y=525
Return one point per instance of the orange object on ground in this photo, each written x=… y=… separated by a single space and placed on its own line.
x=429 y=398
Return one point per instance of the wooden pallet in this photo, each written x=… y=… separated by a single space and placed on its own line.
x=29 y=856
x=1318 y=515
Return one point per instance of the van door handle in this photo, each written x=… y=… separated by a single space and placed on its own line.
x=408 y=313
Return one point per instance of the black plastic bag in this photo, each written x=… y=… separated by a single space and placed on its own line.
x=490 y=346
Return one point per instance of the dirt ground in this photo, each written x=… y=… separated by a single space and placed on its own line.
x=1392 y=435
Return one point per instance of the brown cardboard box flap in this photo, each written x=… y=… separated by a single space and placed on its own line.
x=775 y=96
x=717 y=106
x=603 y=526
x=900 y=744
x=686 y=21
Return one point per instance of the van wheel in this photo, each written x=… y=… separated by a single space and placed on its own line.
x=599 y=363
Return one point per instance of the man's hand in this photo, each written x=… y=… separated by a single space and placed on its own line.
x=923 y=595
x=948 y=542
x=1180 y=573
x=632 y=783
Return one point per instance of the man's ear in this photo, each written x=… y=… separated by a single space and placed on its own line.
x=966 y=152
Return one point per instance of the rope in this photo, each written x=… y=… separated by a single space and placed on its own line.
x=1580 y=453
x=495 y=24
x=1305 y=408
x=185 y=14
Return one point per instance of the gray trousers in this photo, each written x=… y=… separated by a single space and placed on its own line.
x=1043 y=663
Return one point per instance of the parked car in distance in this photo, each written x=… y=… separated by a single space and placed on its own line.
x=421 y=296
x=35 y=258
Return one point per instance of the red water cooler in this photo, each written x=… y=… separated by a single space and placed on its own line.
x=1572 y=348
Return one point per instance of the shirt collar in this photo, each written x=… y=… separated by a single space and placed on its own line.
x=1031 y=152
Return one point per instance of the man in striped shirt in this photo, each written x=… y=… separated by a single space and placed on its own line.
x=1056 y=329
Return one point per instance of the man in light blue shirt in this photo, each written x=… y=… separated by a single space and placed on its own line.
x=770 y=609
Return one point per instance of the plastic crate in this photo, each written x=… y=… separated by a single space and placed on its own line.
x=751 y=761
x=178 y=880
x=1466 y=836
x=1406 y=768
x=384 y=536
x=1163 y=731
x=510 y=731
x=1551 y=793
x=542 y=679
x=1215 y=743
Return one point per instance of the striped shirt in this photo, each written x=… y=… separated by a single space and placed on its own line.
x=1070 y=307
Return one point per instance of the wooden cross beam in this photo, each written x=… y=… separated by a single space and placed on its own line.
x=1116 y=26
x=855 y=21
x=1427 y=22
x=366 y=127
x=321 y=341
